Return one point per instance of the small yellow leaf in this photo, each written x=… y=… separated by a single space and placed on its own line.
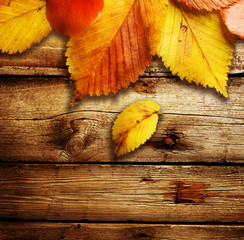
x=22 y=24
x=134 y=126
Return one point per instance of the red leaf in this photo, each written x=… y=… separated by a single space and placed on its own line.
x=208 y=5
x=73 y=16
x=234 y=18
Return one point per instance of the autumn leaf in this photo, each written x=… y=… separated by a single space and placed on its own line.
x=71 y=17
x=208 y=5
x=194 y=46
x=234 y=18
x=22 y=24
x=134 y=126
x=113 y=51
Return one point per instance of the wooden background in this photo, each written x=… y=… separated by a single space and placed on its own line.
x=59 y=176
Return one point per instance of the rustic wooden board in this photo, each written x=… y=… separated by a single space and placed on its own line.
x=36 y=123
x=97 y=192
x=48 y=58
x=98 y=231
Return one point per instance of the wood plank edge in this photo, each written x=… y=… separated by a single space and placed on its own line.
x=116 y=231
x=32 y=71
x=57 y=71
x=118 y=163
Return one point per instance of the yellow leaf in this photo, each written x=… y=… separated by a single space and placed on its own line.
x=134 y=126
x=194 y=45
x=22 y=24
x=114 y=50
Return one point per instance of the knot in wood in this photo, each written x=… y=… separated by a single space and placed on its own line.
x=74 y=146
x=77 y=144
x=168 y=142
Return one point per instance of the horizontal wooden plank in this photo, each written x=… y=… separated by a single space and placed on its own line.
x=96 y=231
x=95 y=192
x=48 y=58
x=36 y=123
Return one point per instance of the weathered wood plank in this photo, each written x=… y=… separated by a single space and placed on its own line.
x=92 y=231
x=122 y=193
x=36 y=123
x=48 y=58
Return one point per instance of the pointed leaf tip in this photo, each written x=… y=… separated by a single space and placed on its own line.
x=134 y=126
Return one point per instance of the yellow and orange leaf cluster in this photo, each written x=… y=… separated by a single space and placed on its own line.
x=115 y=49
x=111 y=55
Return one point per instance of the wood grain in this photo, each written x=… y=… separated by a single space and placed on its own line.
x=96 y=231
x=36 y=123
x=38 y=126
x=95 y=192
x=48 y=58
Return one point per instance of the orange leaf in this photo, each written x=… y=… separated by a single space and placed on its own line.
x=208 y=5
x=73 y=16
x=114 y=51
x=234 y=18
